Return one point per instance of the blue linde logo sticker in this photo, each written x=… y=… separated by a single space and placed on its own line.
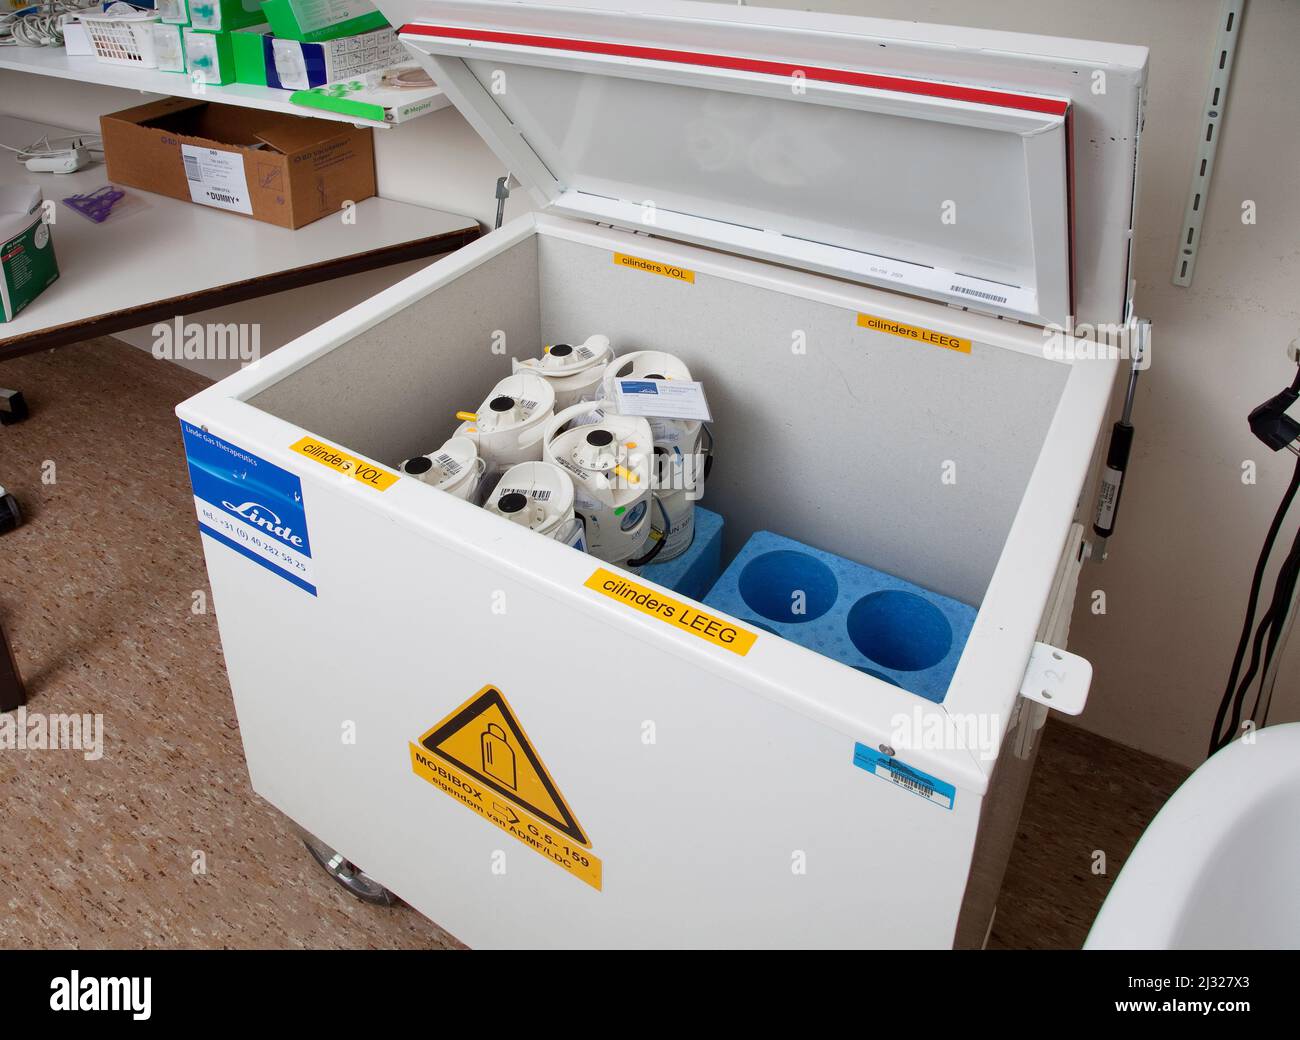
x=931 y=788
x=250 y=506
x=638 y=386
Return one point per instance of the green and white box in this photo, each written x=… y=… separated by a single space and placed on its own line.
x=316 y=20
x=251 y=54
x=169 y=47
x=174 y=12
x=27 y=264
x=368 y=97
x=209 y=56
x=300 y=66
x=225 y=15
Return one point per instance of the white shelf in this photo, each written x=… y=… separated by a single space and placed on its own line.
x=159 y=254
x=54 y=61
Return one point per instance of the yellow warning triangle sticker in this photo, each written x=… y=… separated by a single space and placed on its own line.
x=483 y=739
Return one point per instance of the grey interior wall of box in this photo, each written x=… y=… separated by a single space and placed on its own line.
x=393 y=391
x=843 y=447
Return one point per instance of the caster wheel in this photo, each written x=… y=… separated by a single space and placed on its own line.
x=349 y=875
x=10 y=515
x=13 y=408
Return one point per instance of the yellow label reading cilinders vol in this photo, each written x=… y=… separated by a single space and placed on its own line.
x=348 y=465
x=640 y=263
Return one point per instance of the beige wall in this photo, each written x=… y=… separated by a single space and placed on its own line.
x=1189 y=530
x=1176 y=580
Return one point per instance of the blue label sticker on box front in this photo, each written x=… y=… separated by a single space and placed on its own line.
x=931 y=788
x=249 y=505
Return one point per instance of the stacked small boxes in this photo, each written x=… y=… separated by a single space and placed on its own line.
x=198 y=36
x=302 y=47
x=169 y=34
x=211 y=56
x=224 y=15
x=300 y=66
x=291 y=20
x=169 y=46
x=174 y=12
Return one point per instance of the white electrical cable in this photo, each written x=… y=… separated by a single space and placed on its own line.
x=41 y=24
x=49 y=147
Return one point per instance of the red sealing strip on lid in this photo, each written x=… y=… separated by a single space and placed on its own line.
x=875 y=81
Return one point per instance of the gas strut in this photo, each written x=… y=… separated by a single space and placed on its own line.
x=1121 y=442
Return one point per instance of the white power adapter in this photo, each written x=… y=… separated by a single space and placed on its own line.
x=66 y=160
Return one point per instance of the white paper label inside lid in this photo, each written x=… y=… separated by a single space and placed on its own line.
x=662 y=399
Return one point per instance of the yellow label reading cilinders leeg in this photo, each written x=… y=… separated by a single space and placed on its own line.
x=640 y=263
x=915 y=333
x=712 y=629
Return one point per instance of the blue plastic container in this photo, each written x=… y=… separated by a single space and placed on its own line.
x=872 y=621
x=694 y=571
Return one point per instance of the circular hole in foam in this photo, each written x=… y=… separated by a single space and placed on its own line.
x=788 y=586
x=899 y=630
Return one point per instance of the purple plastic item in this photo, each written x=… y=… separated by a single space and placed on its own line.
x=98 y=204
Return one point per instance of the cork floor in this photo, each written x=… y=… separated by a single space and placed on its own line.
x=161 y=842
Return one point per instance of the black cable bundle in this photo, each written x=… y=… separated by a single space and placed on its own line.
x=1268 y=633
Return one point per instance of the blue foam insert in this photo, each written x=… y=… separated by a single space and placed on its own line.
x=862 y=617
x=694 y=571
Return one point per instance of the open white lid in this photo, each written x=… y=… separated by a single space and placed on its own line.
x=935 y=161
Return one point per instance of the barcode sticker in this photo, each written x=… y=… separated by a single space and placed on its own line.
x=216 y=178
x=909 y=778
x=537 y=494
x=991 y=297
x=449 y=465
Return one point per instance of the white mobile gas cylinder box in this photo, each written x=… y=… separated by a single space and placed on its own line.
x=862 y=238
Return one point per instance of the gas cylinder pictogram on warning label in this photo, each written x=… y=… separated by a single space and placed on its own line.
x=498 y=756
x=483 y=739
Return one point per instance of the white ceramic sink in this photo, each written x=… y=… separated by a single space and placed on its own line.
x=1219 y=867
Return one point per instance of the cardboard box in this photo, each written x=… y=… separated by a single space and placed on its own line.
x=27 y=264
x=315 y=20
x=278 y=168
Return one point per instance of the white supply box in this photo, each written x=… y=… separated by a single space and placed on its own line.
x=300 y=66
x=829 y=219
